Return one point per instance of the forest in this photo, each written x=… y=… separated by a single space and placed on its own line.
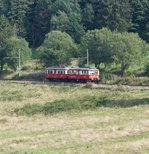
x=115 y=32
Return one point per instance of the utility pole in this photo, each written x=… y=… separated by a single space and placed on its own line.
x=19 y=60
x=87 y=58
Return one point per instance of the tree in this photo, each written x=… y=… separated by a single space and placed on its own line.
x=15 y=11
x=98 y=42
x=67 y=18
x=128 y=48
x=37 y=22
x=144 y=27
x=120 y=17
x=1 y=6
x=113 y=14
x=57 y=49
x=14 y=46
x=140 y=17
x=5 y=34
x=88 y=16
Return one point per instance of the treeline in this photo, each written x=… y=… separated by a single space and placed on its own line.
x=58 y=29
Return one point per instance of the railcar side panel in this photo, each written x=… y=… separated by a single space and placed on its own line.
x=72 y=74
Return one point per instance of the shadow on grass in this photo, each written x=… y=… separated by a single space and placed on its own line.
x=123 y=103
x=87 y=103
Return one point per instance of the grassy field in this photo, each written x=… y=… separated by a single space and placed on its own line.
x=72 y=119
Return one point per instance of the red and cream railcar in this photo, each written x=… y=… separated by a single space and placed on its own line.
x=72 y=74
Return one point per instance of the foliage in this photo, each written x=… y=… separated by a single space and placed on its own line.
x=57 y=49
x=98 y=42
x=14 y=45
x=1 y=6
x=5 y=29
x=88 y=16
x=16 y=12
x=37 y=22
x=140 y=17
x=67 y=18
x=127 y=49
x=144 y=32
x=113 y=14
x=5 y=33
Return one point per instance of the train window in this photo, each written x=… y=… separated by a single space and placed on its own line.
x=70 y=72
x=56 y=71
x=93 y=72
x=64 y=72
x=77 y=72
x=84 y=72
x=61 y=72
x=80 y=72
x=49 y=72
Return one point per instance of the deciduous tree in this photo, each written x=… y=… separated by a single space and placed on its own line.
x=98 y=42
x=57 y=49
x=128 y=48
x=14 y=46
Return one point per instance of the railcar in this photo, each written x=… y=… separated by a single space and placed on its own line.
x=73 y=74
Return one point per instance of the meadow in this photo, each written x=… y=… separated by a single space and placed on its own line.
x=41 y=118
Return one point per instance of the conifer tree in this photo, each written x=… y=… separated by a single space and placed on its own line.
x=15 y=11
x=37 y=22
x=67 y=18
x=140 y=17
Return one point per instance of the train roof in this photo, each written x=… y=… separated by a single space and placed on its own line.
x=57 y=68
x=72 y=68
